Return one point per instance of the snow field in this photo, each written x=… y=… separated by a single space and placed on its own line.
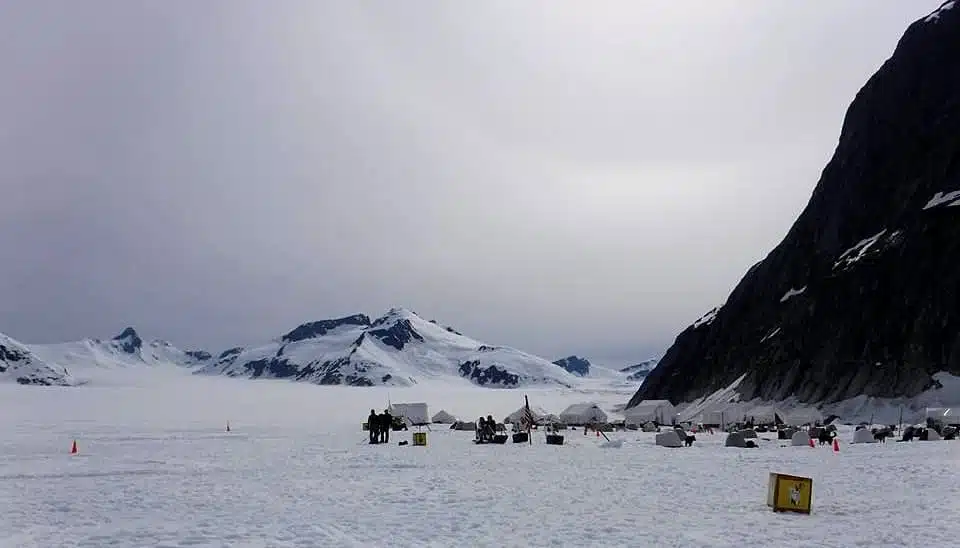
x=156 y=468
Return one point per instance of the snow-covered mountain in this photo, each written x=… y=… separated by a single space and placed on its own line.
x=89 y=359
x=19 y=364
x=398 y=349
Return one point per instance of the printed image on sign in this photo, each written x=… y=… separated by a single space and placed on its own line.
x=790 y=493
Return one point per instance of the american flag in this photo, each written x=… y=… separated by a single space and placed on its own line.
x=528 y=417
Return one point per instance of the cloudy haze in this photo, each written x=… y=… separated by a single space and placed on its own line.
x=562 y=177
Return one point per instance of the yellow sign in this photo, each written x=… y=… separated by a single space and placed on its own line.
x=419 y=438
x=790 y=493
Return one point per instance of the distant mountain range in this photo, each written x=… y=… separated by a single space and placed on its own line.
x=398 y=349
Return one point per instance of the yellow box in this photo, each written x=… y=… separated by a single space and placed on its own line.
x=419 y=438
x=787 y=493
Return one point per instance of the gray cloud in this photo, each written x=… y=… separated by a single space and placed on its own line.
x=556 y=176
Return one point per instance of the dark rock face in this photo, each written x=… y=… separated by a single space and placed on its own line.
x=488 y=375
x=639 y=371
x=129 y=341
x=862 y=297
x=575 y=364
x=397 y=335
x=198 y=355
x=320 y=328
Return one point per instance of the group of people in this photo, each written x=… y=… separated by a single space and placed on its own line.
x=486 y=428
x=380 y=426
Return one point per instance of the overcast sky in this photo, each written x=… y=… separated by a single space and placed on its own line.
x=562 y=177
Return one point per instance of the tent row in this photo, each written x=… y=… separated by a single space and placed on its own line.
x=722 y=414
x=575 y=415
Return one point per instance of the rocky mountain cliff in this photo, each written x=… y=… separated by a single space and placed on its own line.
x=862 y=297
x=575 y=364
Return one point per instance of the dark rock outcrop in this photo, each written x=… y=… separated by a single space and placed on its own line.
x=488 y=375
x=639 y=372
x=575 y=364
x=198 y=355
x=397 y=335
x=322 y=327
x=862 y=297
x=129 y=341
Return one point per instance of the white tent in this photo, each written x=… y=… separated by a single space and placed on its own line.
x=765 y=414
x=946 y=415
x=442 y=417
x=932 y=435
x=539 y=415
x=580 y=414
x=720 y=414
x=863 y=436
x=414 y=414
x=802 y=416
x=670 y=438
x=800 y=438
x=659 y=411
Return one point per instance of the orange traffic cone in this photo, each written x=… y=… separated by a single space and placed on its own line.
x=836 y=445
x=811 y=443
x=73 y=450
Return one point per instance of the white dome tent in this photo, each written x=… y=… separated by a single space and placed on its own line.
x=580 y=414
x=658 y=411
x=442 y=417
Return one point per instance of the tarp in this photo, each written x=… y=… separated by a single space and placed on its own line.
x=414 y=414
x=442 y=417
x=659 y=411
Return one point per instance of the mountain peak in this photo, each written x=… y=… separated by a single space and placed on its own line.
x=575 y=364
x=319 y=328
x=129 y=340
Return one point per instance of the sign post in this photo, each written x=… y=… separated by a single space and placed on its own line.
x=787 y=493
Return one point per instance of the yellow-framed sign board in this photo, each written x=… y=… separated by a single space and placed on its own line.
x=787 y=493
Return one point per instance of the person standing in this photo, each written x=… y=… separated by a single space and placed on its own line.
x=387 y=425
x=373 y=425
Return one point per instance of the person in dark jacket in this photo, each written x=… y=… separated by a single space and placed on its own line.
x=387 y=425
x=373 y=425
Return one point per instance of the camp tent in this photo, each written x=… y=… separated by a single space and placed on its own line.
x=764 y=414
x=946 y=415
x=580 y=414
x=413 y=414
x=670 y=438
x=800 y=438
x=863 y=436
x=802 y=416
x=540 y=415
x=658 y=411
x=720 y=414
x=442 y=417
